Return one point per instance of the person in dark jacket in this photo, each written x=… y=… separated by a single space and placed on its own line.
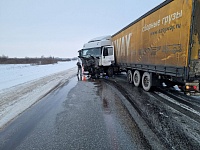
x=79 y=68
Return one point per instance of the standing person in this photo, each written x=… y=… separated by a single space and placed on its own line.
x=79 y=67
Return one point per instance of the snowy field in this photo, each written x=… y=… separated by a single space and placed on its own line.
x=23 y=85
x=12 y=75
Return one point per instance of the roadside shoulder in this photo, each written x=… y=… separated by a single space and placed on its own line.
x=17 y=99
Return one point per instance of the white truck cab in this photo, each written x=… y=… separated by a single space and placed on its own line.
x=98 y=55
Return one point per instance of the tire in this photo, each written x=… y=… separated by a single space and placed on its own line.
x=136 y=78
x=130 y=76
x=147 y=81
x=110 y=72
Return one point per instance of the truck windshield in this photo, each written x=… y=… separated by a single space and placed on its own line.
x=92 y=51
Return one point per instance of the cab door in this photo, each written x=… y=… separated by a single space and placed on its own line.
x=107 y=55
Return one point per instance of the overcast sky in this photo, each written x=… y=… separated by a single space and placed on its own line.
x=59 y=28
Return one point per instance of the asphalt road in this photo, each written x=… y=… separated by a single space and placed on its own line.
x=83 y=115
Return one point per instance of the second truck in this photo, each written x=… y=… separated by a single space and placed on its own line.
x=163 y=45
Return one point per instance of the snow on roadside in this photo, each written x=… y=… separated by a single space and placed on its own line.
x=18 y=98
x=14 y=74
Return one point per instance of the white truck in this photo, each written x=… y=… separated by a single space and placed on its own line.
x=97 y=56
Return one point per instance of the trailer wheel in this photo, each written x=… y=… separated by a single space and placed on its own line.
x=136 y=78
x=130 y=76
x=147 y=81
x=110 y=72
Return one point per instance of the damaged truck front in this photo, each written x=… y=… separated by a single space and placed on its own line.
x=98 y=57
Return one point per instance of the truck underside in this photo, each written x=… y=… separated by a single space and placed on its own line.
x=155 y=76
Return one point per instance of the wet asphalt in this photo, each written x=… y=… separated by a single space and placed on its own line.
x=85 y=115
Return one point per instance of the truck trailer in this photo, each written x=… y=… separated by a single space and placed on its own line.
x=163 y=45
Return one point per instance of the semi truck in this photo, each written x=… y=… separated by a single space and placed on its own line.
x=163 y=45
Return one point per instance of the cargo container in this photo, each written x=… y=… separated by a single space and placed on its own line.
x=163 y=45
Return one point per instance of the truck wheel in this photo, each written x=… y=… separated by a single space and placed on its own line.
x=129 y=76
x=147 y=81
x=136 y=78
x=110 y=71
